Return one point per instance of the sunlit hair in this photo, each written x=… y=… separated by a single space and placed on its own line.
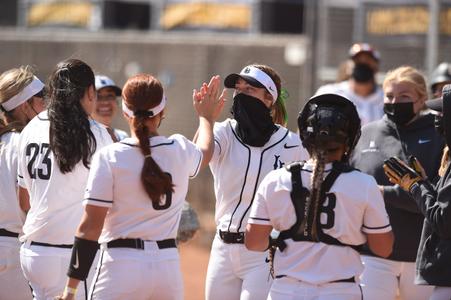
x=408 y=74
x=141 y=93
x=279 y=114
x=319 y=163
x=71 y=139
x=12 y=82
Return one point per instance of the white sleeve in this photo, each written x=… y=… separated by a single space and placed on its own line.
x=192 y=153
x=220 y=140
x=99 y=189
x=375 y=219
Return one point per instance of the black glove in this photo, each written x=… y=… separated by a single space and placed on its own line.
x=398 y=172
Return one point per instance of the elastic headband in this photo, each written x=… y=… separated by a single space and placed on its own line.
x=152 y=112
x=29 y=91
x=263 y=78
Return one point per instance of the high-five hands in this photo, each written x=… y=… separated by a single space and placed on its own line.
x=398 y=172
x=208 y=101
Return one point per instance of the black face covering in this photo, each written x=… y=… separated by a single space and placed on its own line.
x=362 y=73
x=400 y=113
x=255 y=125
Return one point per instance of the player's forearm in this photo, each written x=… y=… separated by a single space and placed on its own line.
x=205 y=140
x=257 y=237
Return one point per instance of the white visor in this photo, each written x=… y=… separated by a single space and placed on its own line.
x=263 y=78
x=152 y=112
x=29 y=91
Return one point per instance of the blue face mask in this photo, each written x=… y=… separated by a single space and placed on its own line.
x=255 y=125
x=399 y=113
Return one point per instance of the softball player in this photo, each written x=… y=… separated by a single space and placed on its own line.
x=107 y=105
x=134 y=198
x=55 y=150
x=246 y=149
x=323 y=209
x=21 y=98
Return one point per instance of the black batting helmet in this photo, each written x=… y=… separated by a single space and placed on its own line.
x=329 y=118
x=441 y=74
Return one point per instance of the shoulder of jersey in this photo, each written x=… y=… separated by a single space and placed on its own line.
x=356 y=178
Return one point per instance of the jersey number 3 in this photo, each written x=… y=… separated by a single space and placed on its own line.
x=329 y=211
x=45 y=166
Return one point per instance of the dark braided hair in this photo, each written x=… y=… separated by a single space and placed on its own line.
x=141 y=93
x=71 y=139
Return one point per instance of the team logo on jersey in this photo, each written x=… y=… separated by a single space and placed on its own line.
x=75 y=265
x=277 y=162
x=289 y=146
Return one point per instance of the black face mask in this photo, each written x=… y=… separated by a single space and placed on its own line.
x=255 y=125
x=399 y=113
x=362 y=73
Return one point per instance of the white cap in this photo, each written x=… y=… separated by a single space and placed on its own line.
x=255 y=77
x=103 y=81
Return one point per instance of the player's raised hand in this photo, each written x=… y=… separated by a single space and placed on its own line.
x=208 y=101
x=398 y=172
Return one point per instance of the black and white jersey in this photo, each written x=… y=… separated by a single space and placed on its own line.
x=55 y=198
x=238 y=169
x=354 y=207
x=115 y=182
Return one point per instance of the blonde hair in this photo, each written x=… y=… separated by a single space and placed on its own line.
x=13 y=81
x=410 y=75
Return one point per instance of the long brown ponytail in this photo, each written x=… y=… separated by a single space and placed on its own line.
x=141 y=93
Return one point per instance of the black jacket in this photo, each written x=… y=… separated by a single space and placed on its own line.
x=382 y=139
x=434 y=253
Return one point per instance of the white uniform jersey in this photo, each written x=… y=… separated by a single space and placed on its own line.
x=355 y=206
x=115 y=182
x=11 y=217
x=120 y=134
x=55 y=198
x=370 y=108
x=238 y=169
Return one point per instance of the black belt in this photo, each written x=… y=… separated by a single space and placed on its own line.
x=4 y=232
x=350 y=279
x=139 y=244
x=51 y=245
x=232 y=237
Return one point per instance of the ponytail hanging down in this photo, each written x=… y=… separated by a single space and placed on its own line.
x=141 y=93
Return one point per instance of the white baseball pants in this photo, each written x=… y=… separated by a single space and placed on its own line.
x=13 y=285
x=291 y=289
x=383 y=278
x=126 y=273
x=236 y=273
x=45 y=268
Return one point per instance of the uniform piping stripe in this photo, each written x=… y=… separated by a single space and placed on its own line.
x=100 y=200
x=219 y=145
x=97 y=275
x=245 y=176
x=20 y=176
x=380 y=227
x=198 y=167
x=162 y=144
x=261 y=219
x=131 y=145
x=258 y=176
